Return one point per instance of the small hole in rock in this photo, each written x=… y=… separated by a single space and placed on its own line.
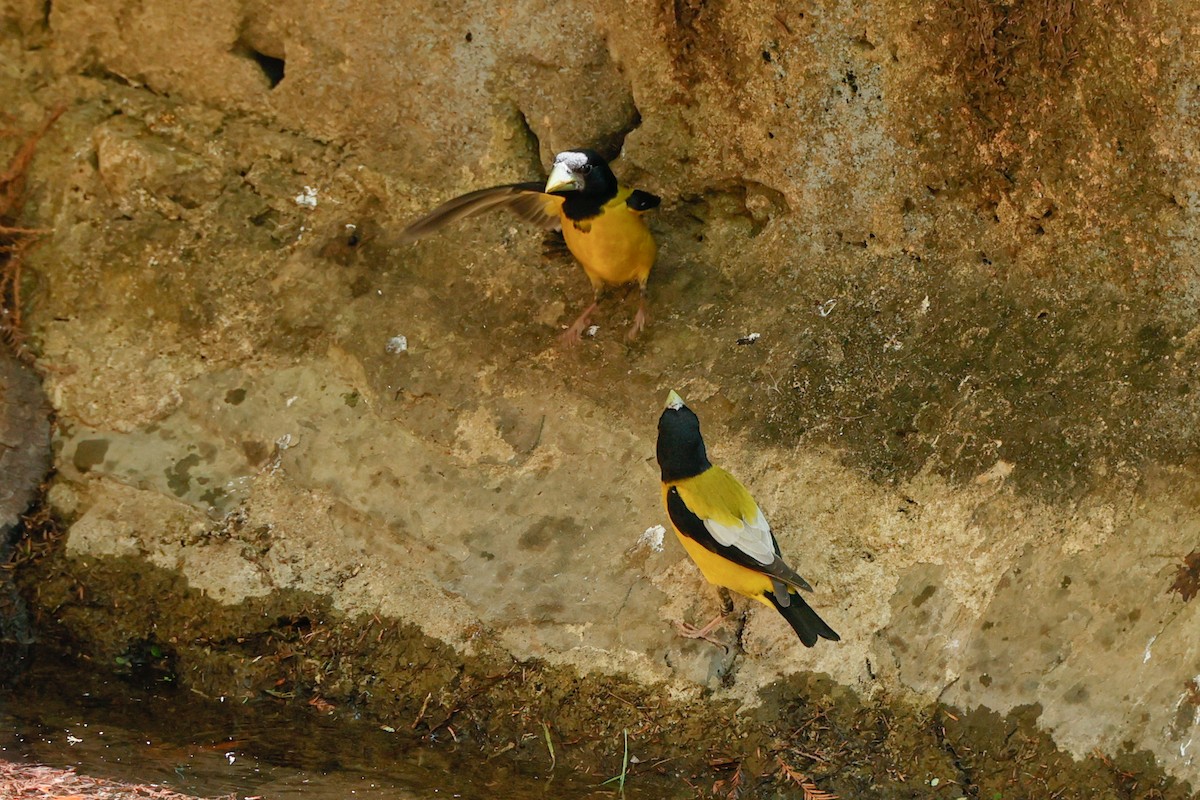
x=272 y=67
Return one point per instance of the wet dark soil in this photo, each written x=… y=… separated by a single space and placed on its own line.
x=335 y=677
x=71 y=713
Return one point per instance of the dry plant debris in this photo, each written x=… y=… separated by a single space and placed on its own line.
x=811 y=792
x=15 y=240
x=37 y=782
x=1187 y=579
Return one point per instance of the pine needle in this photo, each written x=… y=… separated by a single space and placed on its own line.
x=811 y=792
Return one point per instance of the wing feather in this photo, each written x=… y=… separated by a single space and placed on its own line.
x=752 y=536
x=526 y=200
x=691 y=525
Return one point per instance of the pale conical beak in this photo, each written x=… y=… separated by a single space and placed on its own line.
x=562 y=179
x=674 y=401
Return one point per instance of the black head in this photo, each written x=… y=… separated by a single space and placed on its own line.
x=681 y=452
x=583 y=172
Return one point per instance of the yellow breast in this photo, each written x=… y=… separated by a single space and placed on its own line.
x=723 y=572
x=614 y=247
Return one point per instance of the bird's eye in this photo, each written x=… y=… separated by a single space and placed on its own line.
x=585 y=169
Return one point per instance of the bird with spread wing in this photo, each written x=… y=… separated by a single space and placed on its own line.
x=601 y=222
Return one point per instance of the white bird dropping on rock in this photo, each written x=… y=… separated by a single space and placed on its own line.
x=307 y=198
x=653 y=537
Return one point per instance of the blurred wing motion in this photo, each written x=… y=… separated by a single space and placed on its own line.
x=526 y=200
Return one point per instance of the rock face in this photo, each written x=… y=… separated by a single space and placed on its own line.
x=966 y=234
x=24 y=443
x=24 y=461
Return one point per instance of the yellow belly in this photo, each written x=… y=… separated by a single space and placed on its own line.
x=615 y=248
x=723 y=572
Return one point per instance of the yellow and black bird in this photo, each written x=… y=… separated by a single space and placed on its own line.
x=600 y=220
x=724 y=530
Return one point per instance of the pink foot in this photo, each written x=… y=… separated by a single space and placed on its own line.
x=639 y=320
x=692 y=632
x=574 y=334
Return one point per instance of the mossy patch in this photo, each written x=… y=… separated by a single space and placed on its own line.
x=1056 y=389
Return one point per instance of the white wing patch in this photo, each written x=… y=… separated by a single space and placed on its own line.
x=752 y=538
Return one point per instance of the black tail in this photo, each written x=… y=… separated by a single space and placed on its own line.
x=804 y=621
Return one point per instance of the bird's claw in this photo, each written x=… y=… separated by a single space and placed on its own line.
x=639 y=325
x=639 y=320
x=571 y=337
x=692 y=632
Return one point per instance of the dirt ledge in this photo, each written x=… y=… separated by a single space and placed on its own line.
x=291 y=647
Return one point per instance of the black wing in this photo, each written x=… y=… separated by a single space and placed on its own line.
x=691 y=526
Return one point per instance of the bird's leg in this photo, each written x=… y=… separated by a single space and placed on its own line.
x=692 y=632
x=726 y=600
x=639 y=319
x=574 y=334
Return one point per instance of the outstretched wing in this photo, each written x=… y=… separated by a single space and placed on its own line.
x=526 y=200
x=710 y=515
